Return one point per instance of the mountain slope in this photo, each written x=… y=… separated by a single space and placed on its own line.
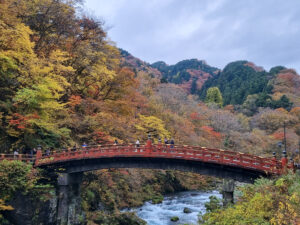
x=238 y=80
x=189 y=74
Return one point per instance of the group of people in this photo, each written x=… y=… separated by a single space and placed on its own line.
x=48 y=151
x=166 y=141
x=24 y=151
x=169 y=142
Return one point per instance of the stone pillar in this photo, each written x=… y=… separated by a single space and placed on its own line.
x=69 y=202
x=227 y=191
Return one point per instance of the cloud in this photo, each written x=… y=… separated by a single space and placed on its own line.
x=218 y=31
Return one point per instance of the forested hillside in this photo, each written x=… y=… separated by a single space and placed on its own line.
x=62 y=82
x=241 y=79
x=189 y=74
x=238 y=80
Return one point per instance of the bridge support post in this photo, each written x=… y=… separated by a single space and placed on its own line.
x=227 y=191
x=69 y=202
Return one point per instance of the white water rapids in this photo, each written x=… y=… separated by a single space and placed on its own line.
x=173 y=205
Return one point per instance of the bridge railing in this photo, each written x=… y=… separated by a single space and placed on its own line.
x=194 y=153
x=19 y=157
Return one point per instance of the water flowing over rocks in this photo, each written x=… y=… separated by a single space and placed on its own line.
x=173 y=205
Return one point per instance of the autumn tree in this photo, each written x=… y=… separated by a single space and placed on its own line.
x=214 y=95
x=271 y=120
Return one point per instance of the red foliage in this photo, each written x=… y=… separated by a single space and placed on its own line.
x=288 y=77
x=211 y=131
x=194 y=116
x=255 y=67
x=20 y=121
x=124 y=172
x=100 y=137
x=278 y=135
x=197 y=116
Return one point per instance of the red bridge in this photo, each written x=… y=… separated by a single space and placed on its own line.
x=206 y=161
x=71 y=164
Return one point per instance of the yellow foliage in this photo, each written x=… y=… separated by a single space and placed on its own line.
x=4 y=207
x=266 y=202
x=153 y=125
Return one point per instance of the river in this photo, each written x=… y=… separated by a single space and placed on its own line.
x=173 y=205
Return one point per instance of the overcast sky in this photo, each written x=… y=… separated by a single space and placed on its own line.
x=266 y=32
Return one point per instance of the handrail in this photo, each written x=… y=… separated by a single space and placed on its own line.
x=19 y=157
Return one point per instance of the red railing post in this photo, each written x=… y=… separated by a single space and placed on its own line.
x=149 y=146
x=159 y=147
x=284 y=162
x=38 y=156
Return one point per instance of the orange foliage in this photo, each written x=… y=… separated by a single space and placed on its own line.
x=295 y=111
x=287 y=76
x=282 y=110
x=278 y=135
x=74 y=100
x=211 y=131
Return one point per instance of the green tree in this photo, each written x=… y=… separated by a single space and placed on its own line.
x=214 y=95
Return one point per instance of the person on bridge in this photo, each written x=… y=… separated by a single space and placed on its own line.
x=166 y=141
x=84 y=145
x=24 y=151
x=172 y=143
x=16 y=153
x=137 y=143
x=73 y=149
x=116 y=142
